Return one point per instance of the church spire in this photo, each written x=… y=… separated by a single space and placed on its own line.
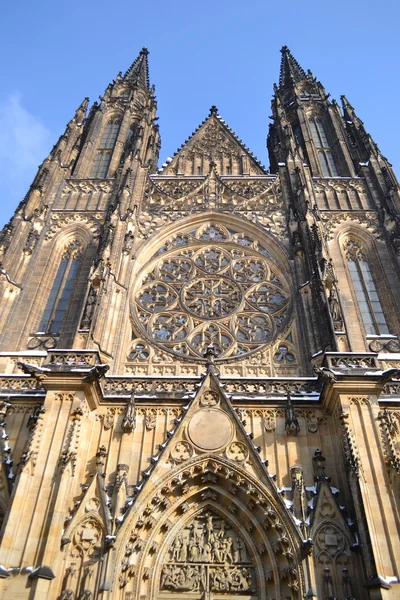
x=138 y=72
x=291 y=71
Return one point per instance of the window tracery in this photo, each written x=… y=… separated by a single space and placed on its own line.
x=106 y=147
x=324 y=152
x=211 y=286
x=60 y=294
x=364 y=288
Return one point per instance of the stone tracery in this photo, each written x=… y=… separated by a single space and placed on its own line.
x=211 y=286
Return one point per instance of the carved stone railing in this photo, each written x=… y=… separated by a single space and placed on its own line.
x=73 y=358
x=352 y=361
x=174 y=387
x=18 y=384
x=179 y=387
x=391 y=389
x=88 y=185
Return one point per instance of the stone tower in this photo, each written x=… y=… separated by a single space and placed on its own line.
x=200 y=363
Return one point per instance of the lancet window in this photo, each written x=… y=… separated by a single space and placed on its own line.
x=325 y=156
x=61 y=290
x=365 y=290
x=105 y=149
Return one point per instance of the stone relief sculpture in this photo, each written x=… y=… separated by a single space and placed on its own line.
x=208 y=555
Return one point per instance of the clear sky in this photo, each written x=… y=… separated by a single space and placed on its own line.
x=223 y=52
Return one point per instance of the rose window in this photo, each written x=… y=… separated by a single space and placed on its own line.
x=211 y=288
x=211 y=297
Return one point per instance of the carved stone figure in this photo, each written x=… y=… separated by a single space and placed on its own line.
x=128 y=242
x=108 y=420
x=334 y=308
x=89 y=309
x=129 y=420
x=207 y=540
x=150 y=419
x=292 y=426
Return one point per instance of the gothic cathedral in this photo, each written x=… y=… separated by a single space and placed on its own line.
x=200 y=363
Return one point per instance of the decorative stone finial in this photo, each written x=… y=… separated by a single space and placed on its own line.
x=210 y=355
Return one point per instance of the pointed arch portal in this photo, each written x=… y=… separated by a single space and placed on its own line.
x=209 y=528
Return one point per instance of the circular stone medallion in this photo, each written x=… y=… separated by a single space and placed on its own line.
x=210 y=429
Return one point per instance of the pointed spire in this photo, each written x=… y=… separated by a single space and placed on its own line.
x=80 y=113
x=291 y=72
x=138 y=72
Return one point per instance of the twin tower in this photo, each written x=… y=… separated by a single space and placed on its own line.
x=200 y=363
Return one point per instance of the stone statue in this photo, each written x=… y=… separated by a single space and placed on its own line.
x=334 y=309
x=292 y=426
x=129 y=420
x=89 y=309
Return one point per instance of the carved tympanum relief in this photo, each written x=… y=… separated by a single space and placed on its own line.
x=208 y=556
x=211 y=286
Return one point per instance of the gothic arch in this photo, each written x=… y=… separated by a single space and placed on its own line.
x=226 y=490
x=359 y=233
x=194 y=221
x=82 y=560
x=75 y=238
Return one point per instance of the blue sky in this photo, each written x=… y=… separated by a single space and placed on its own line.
x=201 y=53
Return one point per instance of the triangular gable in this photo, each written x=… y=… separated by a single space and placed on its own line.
x=329 y=528
x=210 y=141
x=93 y=505
x=209 y=426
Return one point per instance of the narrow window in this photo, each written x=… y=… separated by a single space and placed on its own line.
x=323 y=163
x=60 y=294
x=229 y=170
x=109 y=136
x=365 y=290
x=105 y=149
x=325 y=157
x=101 y=164
x=315 y=135
x=331 y=164
x=198 y=170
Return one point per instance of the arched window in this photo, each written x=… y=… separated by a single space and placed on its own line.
x=365 y=290
x=325 y=157
x=105 y=149
x=60 y=294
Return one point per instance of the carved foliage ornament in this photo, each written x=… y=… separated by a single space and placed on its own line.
x=215 y=291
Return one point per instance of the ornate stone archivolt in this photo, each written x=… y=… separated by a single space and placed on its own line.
x=367 y=220
x=211 y=286
x=184 y=538
x=59 y=221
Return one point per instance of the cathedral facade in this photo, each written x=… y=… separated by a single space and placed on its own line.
x=200 y=363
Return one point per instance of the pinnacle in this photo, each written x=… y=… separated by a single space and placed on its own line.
x=291 y=72
x=138 y=72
